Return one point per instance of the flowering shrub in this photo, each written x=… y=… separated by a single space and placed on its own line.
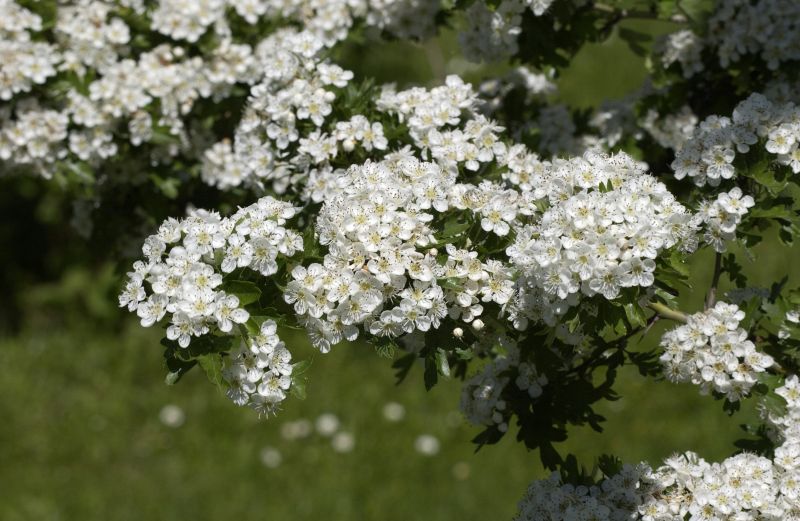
x=488 y=233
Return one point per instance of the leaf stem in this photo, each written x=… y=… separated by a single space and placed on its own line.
x=667 y=312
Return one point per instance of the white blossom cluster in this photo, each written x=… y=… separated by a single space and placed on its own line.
x=713 y=352
x=744 y=487
x=35 y=136
x=791 y=319
x=286 y=131
x=443 y=123
x=683 y=47
x=611 y=123
x=186 y=19
x=328 y=21
x=614 y=121
x=557 y=132
x=769 y=29
x=616 y=498
x=490 y=33
x=414 y=19
x=670 y=130
x=258 y=373
x=787 y=423
x=722 y=215
x=595 y=241
x=182 y=278
x=553 y=125
x=782 y=89
x=149 y=97
x=381 y=270
x=157 y=89
x=90 y=36
x=23 y=62
x=481 y=396
x=707 y=158
x=536 y=86
x=186 y=261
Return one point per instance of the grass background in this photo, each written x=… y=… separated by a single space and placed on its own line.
x=81 y=438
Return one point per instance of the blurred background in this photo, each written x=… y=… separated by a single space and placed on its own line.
x=89 y=430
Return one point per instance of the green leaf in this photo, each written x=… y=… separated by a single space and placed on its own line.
x=403 y=365
x=175 y=366
x=212 y=364
x=734 y=270
x=766 y=176
x=774 y=404
x=788 y=232
x=301 y=367
x=386 y=347
x=299 y=380
x=465 y=354
x=168 y=187
x=201 y=346
x=770 y=211
x=298 y=388
x=431 y=373
x=731 y=407
x=451 y=284
x=163 y=137
x=636 y=315
x=442 y=364
x=454 y=227
x=609 y=465
x=678 y=261
x=311 y=248
x=246 y=291
x=697 y=11
x=637 y=41
x=174 y=375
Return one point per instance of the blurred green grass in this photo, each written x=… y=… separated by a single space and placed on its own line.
x=81 y=435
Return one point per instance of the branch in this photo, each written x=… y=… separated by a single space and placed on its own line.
x=667 y=312
x=625 y=13
x=711 y=298
x=636 y=14
x=617 y=343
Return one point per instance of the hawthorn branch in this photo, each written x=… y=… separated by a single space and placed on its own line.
x=711 y=298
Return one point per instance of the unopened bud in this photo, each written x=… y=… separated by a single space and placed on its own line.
x=458 y=332
x=477 y=324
